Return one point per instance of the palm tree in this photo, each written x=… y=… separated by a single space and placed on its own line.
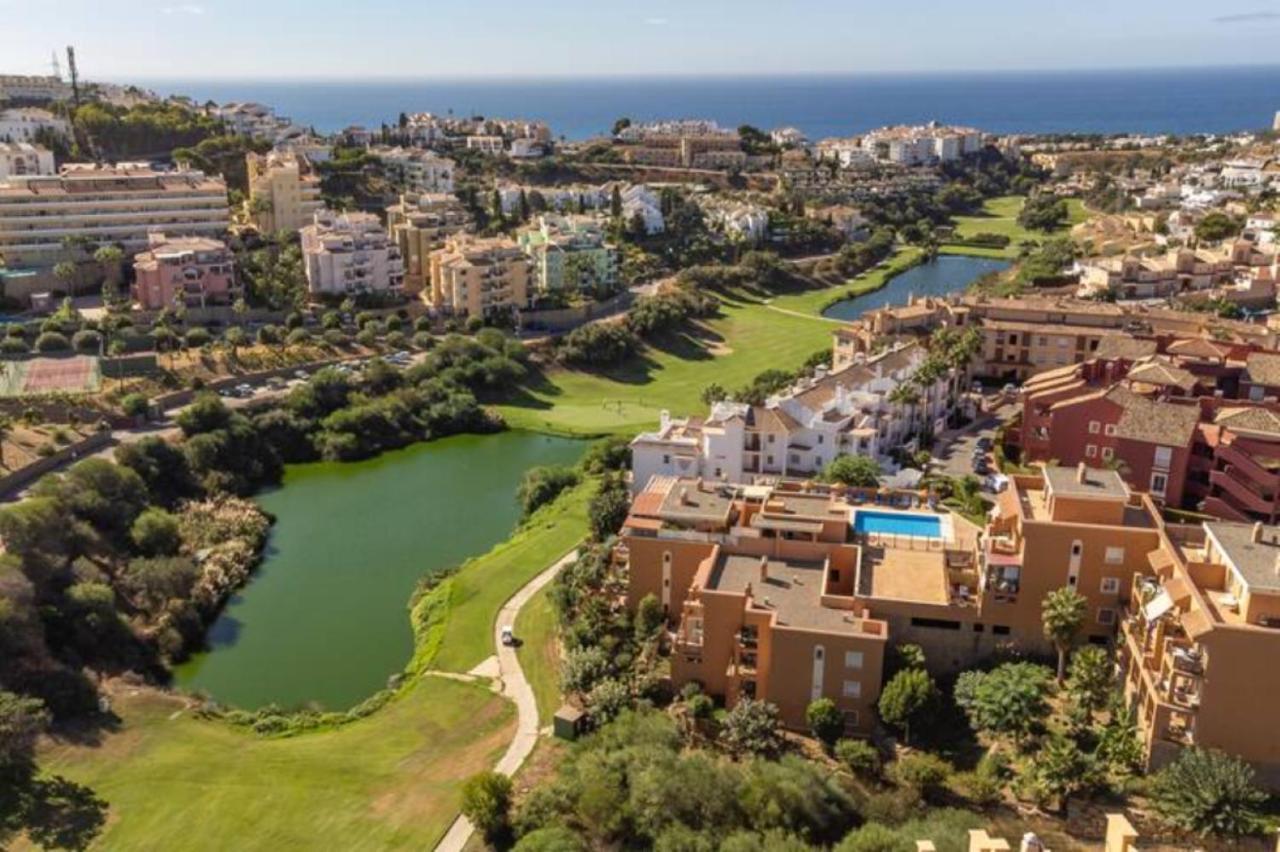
x=1063 y=614
x=66 y=272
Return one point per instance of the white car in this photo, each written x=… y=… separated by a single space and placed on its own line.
x=508 y=635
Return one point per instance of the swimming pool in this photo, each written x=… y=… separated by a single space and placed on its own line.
x=897 y=523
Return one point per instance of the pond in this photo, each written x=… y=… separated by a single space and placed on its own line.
x=325 y=618
x=947 y=274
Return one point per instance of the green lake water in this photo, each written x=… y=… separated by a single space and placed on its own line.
x=325 y=618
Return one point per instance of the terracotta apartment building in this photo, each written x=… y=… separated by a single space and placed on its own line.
x=1169 y=423
x=791 y=592
x=1199 y=644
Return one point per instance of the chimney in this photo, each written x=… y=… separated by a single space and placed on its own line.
x=1081 y=471
x=684 y=496
x=1257 y=532
x=764 y=569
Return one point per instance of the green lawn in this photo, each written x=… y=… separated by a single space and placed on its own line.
x=484 y=583
x=392 y=780
x=814 y=301
x=1000 y=216
x=539 y=652
x=748 y=338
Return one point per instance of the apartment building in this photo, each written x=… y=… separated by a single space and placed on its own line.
x=416 y=171
x=561 y=248
x=20 y=159
x=24 y=124
x=486 y=144
x=572 y=198
x=471 y=276
x=118 y=204
x=420 y=224
x=194 y=271
x=350 y=254
x=914 y=146
x=853 y=410
x=1135 y=277
x=757 y=585
x=741 y=222
x=257 y=121
x=284 y=191
x=788 y=592
x=1199 y=641
x=33 y=88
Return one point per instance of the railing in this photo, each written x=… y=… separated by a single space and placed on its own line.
x=1248 y=467
x=1249 y=499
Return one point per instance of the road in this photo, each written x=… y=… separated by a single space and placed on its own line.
x=516 y=687
x=953 y=450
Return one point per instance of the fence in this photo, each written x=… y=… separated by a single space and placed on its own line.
x=21 y=477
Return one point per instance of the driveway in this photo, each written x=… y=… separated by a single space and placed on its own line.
x=953 y=450
x=515 y=687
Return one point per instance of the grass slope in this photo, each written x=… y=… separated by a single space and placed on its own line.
x=1000 y=216
x=388 y=781
x=539 y=652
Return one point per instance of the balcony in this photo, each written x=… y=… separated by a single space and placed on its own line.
x=1241 y=495
x=1243 y=464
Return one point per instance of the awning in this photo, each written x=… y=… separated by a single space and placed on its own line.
x=1157 y=606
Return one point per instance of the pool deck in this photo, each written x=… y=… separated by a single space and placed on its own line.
x=946 y=527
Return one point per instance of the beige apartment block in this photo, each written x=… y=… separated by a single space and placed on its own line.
x=284 y=191
x=471 y=276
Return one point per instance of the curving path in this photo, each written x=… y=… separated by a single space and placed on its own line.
x=515 y=687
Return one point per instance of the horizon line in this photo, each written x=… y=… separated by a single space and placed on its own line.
x=685 y=76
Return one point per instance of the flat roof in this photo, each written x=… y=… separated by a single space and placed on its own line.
x=905 y=575
x=1094 y=483
x=1255 y=560
x=688 y=501
x=792 y=591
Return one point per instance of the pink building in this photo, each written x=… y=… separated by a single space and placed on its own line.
x=199 y=270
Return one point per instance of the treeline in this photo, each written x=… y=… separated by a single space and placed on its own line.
x=147 y=129
x=610 y=343
x=223 y=155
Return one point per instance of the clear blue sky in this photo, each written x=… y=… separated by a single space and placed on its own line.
x=134 y=39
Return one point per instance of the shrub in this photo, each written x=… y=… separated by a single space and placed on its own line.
x=13 y=346
x=423 y=340
x=860 y=756
x=541 y=485
x=486 y=801
x=905 y=698
x=135 y=404
x=980 y=788
x=608 y=509
x=825 y=721
x=87 y=342
x=700 y=706
x=269 y=335
x=155 y=533
x=553 y=838
x=871 y=837
x=1208 y=792
x=298 y=337
x=751 y=727
x=859 y=471
x=422 y=324
x=924 y=772
x=366 y=337
x=52 y=341
x=336 y=337
x=197 y=337
x=607 y=700
x=397 y=340
x=597 y=345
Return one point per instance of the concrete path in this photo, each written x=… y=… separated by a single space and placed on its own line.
x=515 y=687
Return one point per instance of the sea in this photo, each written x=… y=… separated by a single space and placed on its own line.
x=1179 y=101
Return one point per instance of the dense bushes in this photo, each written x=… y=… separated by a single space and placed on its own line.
x=541 y=485
x=599 y=344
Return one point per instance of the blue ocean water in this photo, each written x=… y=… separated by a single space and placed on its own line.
x=1213 y=100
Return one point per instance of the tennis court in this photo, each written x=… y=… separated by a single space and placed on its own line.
x=77 y=374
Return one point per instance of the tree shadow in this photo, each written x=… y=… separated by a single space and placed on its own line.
x=61 y=814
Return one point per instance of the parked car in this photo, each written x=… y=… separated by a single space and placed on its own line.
x=984 y=443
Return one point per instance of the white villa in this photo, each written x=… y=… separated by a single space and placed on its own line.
x=851 y=411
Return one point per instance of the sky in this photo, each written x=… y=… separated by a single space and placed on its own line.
x=136 y=40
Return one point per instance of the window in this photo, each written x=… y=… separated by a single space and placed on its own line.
x=852 y=689
x=820 y=439
x=1044 y=341
x=853 y=659
x=835 y=576
x=1163 y=457
x=1013 y=340
x=978 y=627
x=1000 y=630
x=937 y=623
x=666 y=459
x=1106 y=616
x=1159 y=483
x=1094 y=426
x=1090 y=451
x=719 y=475
x=1115 y=555
x=795 y=458
x=771 y=439
x=1110 y=429
x=1110 y=585
x=1108 y=453
x=769 y=459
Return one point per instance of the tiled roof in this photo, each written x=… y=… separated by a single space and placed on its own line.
x=1124 y=346
x=1249 y=419
x=1263 y=368
x=1198 y=347
x=1153 y=421
x=1160 y=373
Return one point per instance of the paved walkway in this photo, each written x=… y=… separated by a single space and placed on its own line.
x=514 y=687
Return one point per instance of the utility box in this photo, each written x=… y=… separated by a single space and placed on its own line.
x=568 y=722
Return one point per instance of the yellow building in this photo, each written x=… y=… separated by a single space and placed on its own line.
x=475 y=277
x=420 y=224
x=284 y=192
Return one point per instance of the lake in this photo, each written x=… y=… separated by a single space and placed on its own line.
x=325 y=618
x=949 y=273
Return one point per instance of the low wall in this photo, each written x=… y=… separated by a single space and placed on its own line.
x=564 y=319
x=15 y=481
